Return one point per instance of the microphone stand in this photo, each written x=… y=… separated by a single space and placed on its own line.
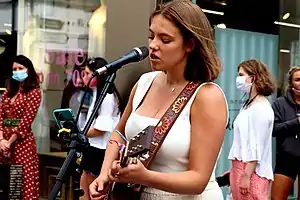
x=78 y=142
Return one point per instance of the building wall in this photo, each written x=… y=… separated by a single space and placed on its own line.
x=126 y=30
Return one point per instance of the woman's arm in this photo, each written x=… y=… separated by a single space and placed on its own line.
x=31 y=109
x=2 y=115
x=94 y=132
x=1 y=135
x=12 y=139
x=250 y=168
x=208 y=126
x=112 y=150
x=259 y=137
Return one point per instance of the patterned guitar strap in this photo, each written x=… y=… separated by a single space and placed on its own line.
x=160 y=131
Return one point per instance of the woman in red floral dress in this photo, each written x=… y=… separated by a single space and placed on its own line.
x=20 y=103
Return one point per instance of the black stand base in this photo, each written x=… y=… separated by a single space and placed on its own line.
x=70 y=167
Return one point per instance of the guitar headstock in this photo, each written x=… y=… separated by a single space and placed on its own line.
x=138 y=146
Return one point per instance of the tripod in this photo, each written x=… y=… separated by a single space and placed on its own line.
x=78 y=142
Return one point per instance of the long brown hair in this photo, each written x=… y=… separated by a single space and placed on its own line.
x=30 y=83
x=263 y=80
x=203 y=62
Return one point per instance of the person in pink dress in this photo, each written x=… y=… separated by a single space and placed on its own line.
x=251 y=151
x=20 y=103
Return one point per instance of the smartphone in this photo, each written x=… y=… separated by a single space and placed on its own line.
x=65 y=118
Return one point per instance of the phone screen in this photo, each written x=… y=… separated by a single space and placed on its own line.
x=64 y=118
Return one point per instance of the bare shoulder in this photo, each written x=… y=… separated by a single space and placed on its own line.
x=210 y=107
x=210 y=95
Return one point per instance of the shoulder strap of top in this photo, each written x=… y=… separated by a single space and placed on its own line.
x=143 y=86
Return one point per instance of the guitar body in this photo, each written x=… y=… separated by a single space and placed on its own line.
x=121 y=191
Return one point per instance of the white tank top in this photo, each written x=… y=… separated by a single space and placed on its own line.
x=173 y=154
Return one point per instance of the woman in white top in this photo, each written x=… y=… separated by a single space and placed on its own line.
x=105 y=121
x=181 y=50
x=251 y=151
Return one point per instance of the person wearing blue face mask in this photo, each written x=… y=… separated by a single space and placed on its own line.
x=251 y=150
x=20 y=75
x=20 y=103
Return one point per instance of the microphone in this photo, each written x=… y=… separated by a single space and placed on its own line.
x=135 y=55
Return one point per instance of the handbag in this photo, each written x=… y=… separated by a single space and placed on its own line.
x=146 y=144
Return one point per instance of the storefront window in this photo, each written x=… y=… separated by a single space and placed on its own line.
x=7 y=39
x=58 y=36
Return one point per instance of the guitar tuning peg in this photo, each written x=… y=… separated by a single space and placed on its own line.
x=155 y=143
x=146 y=156
x=134 y=148
x=142 y=159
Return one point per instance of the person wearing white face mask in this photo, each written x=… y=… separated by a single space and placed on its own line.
x=286 y=130
x=242 y=84
x=251 y=151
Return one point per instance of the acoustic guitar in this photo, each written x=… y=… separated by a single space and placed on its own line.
x=137 y=147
